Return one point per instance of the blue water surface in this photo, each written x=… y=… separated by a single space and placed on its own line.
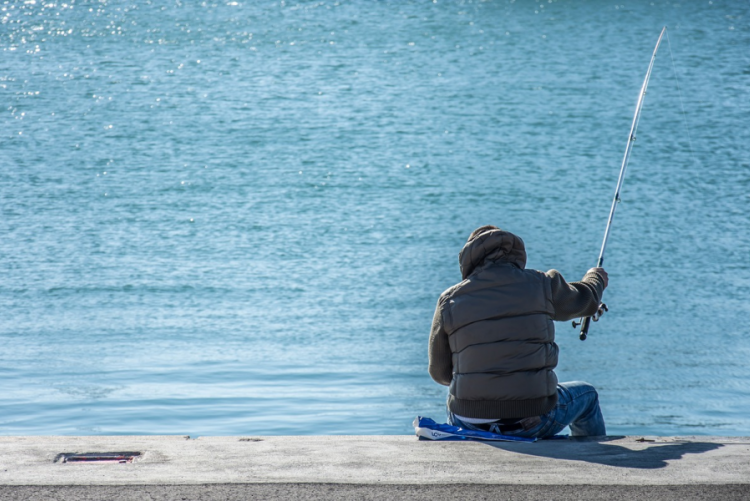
x=236 y=217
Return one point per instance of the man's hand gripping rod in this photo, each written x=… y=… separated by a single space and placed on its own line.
x=586 y=321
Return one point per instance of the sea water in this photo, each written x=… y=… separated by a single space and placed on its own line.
x=236 y=217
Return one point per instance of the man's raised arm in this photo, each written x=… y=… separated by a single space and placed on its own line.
x=577 y=299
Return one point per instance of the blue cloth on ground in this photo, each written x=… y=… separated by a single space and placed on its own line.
x=426 y=428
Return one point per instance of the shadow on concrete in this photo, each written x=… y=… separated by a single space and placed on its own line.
x=598 y=451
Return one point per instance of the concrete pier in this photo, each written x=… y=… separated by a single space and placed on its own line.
x=375 y=467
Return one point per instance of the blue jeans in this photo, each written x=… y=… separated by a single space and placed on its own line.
x=577 y=407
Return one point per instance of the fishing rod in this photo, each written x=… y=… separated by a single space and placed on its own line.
x=585 y=322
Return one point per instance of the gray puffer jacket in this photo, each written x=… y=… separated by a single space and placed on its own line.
x=493 y=336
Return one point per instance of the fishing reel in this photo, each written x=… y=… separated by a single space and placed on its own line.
x=595 y=317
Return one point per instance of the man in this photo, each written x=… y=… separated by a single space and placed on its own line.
x=493 y=342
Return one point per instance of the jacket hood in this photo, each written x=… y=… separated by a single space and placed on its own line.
x=493 y=245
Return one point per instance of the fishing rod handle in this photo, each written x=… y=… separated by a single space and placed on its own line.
x=585 y=323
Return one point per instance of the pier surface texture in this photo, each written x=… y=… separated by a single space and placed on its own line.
x=374 y=467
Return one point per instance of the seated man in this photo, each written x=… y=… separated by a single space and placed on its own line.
x=493 y=342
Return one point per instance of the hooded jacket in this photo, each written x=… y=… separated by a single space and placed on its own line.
x=493 y=336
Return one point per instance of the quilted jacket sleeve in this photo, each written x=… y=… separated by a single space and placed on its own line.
x=440 y=358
